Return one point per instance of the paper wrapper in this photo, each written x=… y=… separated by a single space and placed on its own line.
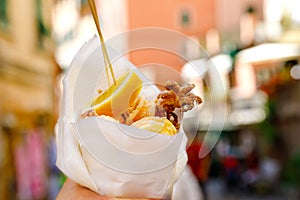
x=110 y=158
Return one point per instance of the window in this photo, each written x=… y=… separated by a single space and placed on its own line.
x=3 y=14
x=185 y=18
x=41 y=27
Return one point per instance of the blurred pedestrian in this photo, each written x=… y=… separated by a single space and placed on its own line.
x=200 y=165
x=231 y=165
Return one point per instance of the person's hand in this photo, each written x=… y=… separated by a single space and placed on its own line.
x=73 y=191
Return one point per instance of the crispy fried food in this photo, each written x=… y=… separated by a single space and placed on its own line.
x=141 y=108
x=186 y=99
x=175 y=97
x=89 y=113
x=156 y=124
x=158 y=113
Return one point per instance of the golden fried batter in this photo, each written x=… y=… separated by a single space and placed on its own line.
x=175 y=97
x=164 y=105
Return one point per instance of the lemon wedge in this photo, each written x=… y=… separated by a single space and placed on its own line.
x=156 y=124
x=118 y=97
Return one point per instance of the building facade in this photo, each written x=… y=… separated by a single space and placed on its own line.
x=27 y=77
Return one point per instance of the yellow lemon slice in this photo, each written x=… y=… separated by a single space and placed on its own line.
x=156 y=124
x=118 y=97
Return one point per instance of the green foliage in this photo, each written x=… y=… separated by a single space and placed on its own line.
x=267 y=127
x=291 y=173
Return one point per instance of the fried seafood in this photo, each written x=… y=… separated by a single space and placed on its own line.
x=160 y=112
x=175 y=97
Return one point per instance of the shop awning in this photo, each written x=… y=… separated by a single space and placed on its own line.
x=269 y=52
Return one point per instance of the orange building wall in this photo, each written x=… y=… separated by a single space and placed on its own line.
x=228 y=13
x=167 y=14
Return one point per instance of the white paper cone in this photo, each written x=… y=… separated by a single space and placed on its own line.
x=111 y=158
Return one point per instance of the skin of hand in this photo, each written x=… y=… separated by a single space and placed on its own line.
x=73 y=191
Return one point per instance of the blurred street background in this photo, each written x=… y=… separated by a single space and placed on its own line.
x=254 y=45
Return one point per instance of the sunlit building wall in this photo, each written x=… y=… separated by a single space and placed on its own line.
x=228 y=14
x=192 y=18
x=27 y=76
x=26 y=56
